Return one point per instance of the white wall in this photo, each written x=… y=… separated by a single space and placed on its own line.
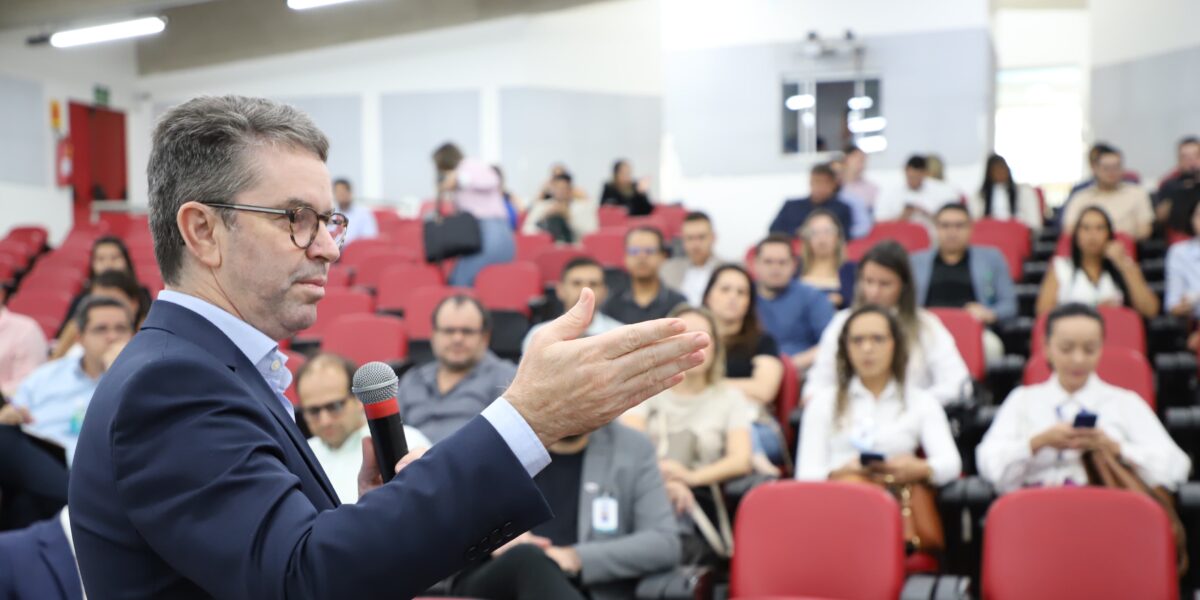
x=1124 y=30
x=1030 y=38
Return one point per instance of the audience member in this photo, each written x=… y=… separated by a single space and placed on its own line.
x=33 y=474
x=1092 y=155
x=474 y=188
x=823 y=188
x=647 y=297
x=1127 y=203
x=560 y=169
x=751 y=354
x=566 y=218
x=823 y=258
x=623 y=190
x=38 y=562
x=336 y=419
x=794 y=313
x=578 y=274
x=1179 y=192
x=701 y=428
x=57 y=394
x=117 y=285
x=959 y=275
x=512 y=202
x=1033 y=440
x=360 y=218
x=860 y=213
x=691 y=272
x=934 y=364
x=1004 y=199
x=109 y=253
x=440 y=397
x=613 y=526
x=854 y=182
x=1182 y=271
x=918 y=199
x=1098 y=272
x=873 y=410
x=22 y=347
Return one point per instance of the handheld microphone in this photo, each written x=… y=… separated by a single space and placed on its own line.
x=375 y=385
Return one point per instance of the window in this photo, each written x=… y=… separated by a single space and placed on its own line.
x=825 y=115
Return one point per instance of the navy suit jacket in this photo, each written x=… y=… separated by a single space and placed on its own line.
x=192 y=481
x=36 y=564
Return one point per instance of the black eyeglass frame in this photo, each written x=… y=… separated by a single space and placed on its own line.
x=291 y=214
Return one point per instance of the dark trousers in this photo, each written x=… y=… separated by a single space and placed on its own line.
x=33 y=484
x=522 y=573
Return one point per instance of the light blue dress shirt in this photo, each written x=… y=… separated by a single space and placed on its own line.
x=57 y=394
x=1183 y=274
x=270 y=363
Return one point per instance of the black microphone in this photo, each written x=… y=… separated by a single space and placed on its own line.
x=375 y=385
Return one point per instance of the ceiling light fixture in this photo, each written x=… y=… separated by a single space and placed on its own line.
x=307 y=4
x=108 y=33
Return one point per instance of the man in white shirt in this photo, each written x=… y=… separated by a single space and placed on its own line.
x=336 y=419
x=581 y=273
x=690 y=273
x=362 y=225
x=918 y=199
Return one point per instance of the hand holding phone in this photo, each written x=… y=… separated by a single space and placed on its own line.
x=866 y=459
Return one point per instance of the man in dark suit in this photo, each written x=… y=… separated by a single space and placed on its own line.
x=192 y=479
x=36 y=563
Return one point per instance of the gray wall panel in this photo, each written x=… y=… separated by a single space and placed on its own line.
x=586 y=131
x=23 y=122
x=340 y=117
x=414 y=125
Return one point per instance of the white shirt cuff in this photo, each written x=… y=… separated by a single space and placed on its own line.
x=519 y=436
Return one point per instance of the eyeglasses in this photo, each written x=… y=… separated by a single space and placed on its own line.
x=452 y=331
x=633 y=251
x=335 y=409
x=303 y=221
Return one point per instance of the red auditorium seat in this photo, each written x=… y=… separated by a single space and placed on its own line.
x=672 y=216
x=1064 y=245
x=1003 y=234
x=551 y=262
x=1123 y=327
x=368 y=272
x=295 y=362
x=509 y=286
x=1078 y=542
x=358 y=250
x=338 y=302
x=365 y=337
x=21 y=249
x=788 y=398
x=339 y=276
x=968 y=336
x=529 y=246
x=912 y=236
x=399 y=282
x=407 y=234
x=1118 y=366
x=418 y=311
x=606 y=246
x=34 y=235
x=47 y=306
x=612 y=216
x=652 y=221
x=54 y=277
x=860 y=554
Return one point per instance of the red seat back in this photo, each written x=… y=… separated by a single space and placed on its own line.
x=912 y=236
x=358 y=250
x=1118 y=366
x=860 y=555
x=398 y=282
x=968 y=337
x=54 y=276
x=788 y=398
x=612 y=216
x=509 y=286
x=551 y=262
x=33 y=235
x=1123 y=327
x=418 y=310
x=47 y=306
x=672 y=216
x=365 y=337
x=607 y=246
x=368 y=272
x=529 y=246
x=1078 y=542
x=1002 y=234
x=338 y=302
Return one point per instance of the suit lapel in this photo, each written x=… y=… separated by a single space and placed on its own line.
x=187 y=324
x=55 y=551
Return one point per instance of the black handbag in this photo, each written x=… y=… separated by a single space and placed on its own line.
x=455 y=235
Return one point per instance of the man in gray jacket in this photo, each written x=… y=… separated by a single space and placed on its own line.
x=959 y=275
x=613 y=525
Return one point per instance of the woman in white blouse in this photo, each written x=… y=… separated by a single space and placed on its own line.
x=934 y=364
x=1033 y=441
x=1099 y=271
x=1003 y=199
x=871 y=410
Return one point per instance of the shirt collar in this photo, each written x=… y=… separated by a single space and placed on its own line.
x=1085 y=396
x=858 y=389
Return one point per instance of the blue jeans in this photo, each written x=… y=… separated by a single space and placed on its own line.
x=498 y=247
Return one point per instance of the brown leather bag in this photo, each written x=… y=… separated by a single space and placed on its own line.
x=1106 y=470
x=918 y=512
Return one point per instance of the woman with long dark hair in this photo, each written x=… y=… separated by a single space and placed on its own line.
x=108 y=253
x=934 y=363
x=824 y=265
x=1099 y=271
x=1003 y=199
x=624 y=190
x=751 y=354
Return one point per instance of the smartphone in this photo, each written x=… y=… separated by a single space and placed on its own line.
x=1084 y=420
x=867 y=458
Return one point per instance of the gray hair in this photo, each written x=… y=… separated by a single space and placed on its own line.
x=202 y=152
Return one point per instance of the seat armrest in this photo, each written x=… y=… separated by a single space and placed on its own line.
x=680 y=583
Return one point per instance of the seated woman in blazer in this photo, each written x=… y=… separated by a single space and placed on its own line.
x=1033 y=441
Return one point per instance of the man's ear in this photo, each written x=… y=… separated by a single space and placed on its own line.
x=200 y=229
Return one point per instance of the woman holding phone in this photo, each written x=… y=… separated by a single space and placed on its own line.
x=1042 y=432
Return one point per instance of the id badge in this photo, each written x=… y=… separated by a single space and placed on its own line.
x=604 y=514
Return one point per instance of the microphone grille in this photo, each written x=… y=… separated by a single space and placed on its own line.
x=375 y=382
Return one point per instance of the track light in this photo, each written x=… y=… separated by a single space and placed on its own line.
x=108 y=33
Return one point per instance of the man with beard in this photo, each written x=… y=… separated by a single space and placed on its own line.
x=440 y=397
